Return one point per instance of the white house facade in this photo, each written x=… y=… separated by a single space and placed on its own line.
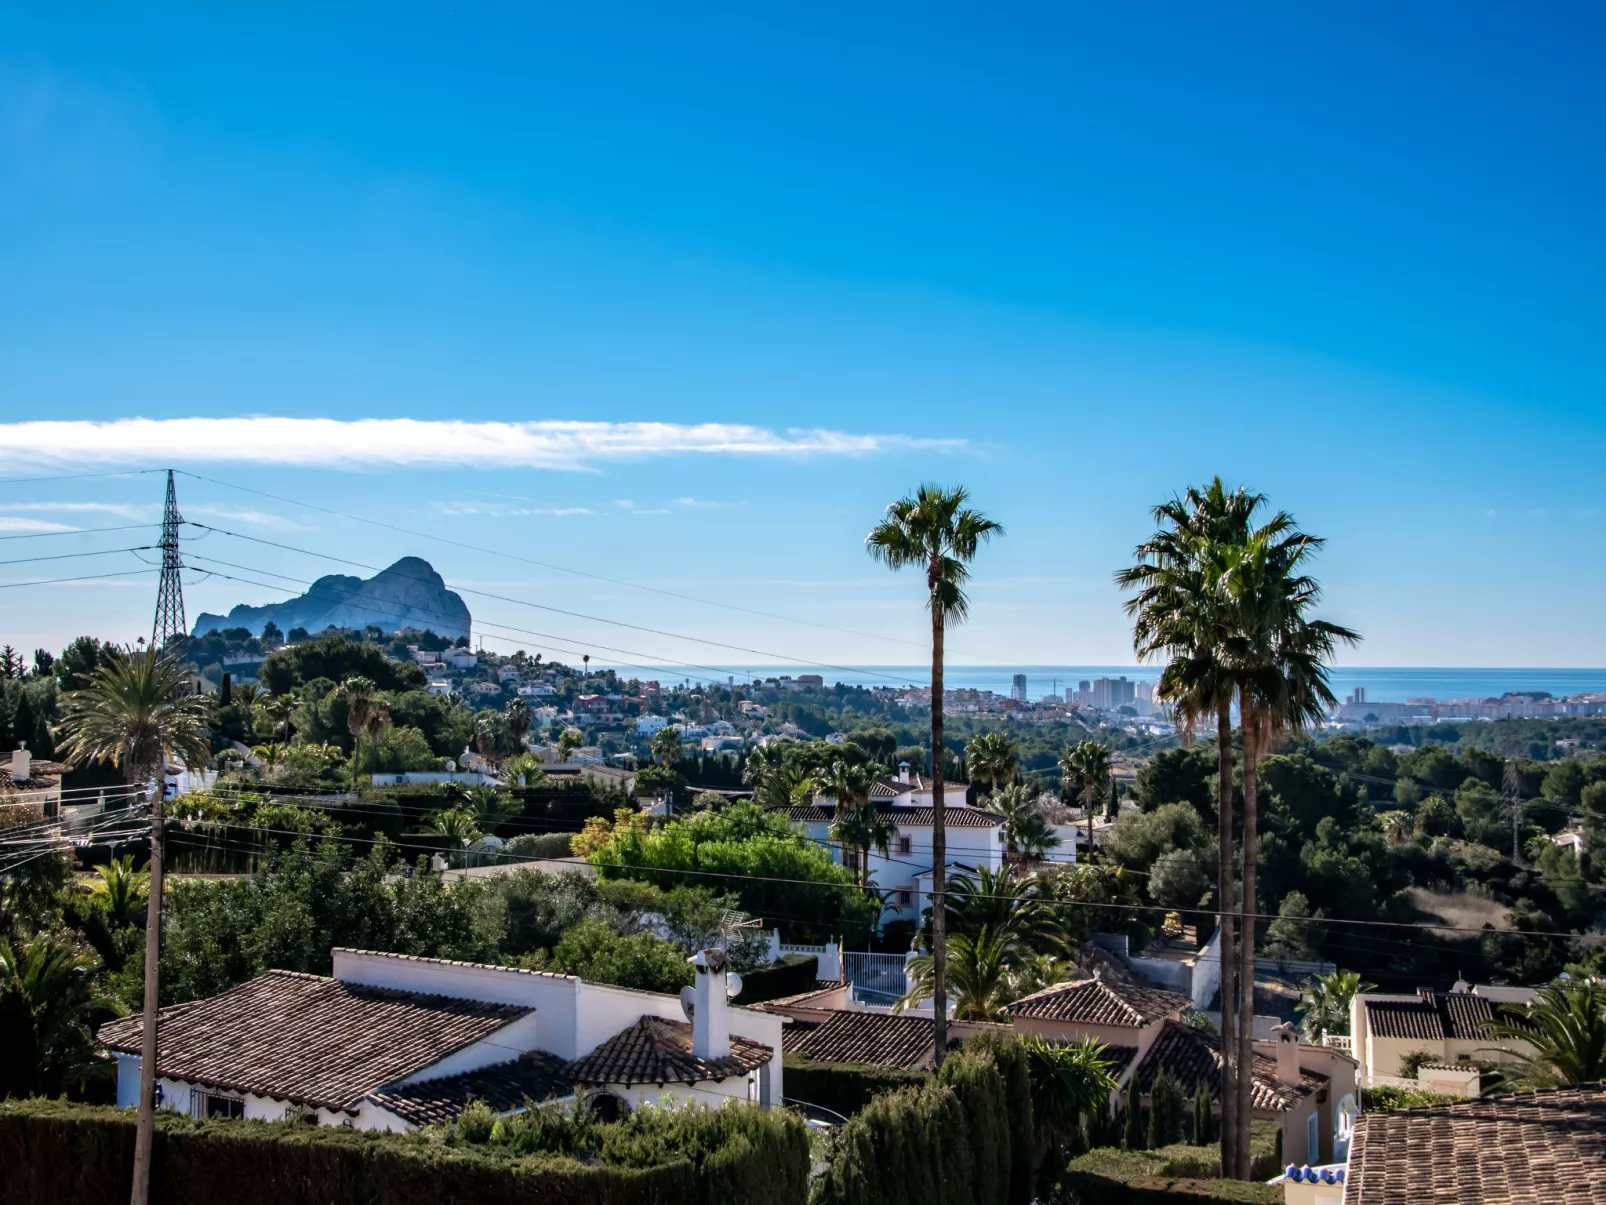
x=393 y=1042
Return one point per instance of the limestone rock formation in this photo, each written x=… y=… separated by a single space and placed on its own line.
x=409 y=594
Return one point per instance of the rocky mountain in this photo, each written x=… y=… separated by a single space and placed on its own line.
x=409 y=594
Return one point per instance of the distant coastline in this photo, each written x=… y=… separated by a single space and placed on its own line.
x=1383 y=683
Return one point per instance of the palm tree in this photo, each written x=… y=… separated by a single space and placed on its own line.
x=985 y=969
x=122 y=890
x=277 y=711
x=667 y=747
x=991 y=756
x=1088 y=764
x=1566 y=1028
x=1027 y=834
x=1069 y=1082
x=1397 y=826
x=1174 y=607
x=1277 y=655
x=48 y=998
x=1019 y=909
x=1325 y=1003
x=857 y=822
x=135 y=714
x=937 y=532
x=518 y=720
x=453 y=824
x=361 y=698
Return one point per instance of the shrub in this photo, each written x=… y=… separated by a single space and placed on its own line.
x=942 y=1143
x=1009 y=1054
x=539 y=845
x=54 y=1151
x=843 y=1088
x=792 y=974
x=1387 y=1099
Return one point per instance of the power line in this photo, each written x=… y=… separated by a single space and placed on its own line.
x=79 y=476
x=73 y=531
x=558 y=568
x=87 y=577
x=67 y=556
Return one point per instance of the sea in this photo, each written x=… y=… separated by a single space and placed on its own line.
x=1383 y=683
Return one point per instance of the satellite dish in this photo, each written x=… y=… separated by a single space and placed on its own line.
x=688 y=1001
x=733 y=985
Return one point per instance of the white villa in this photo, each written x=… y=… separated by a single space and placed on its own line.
x=975 y=837
x=393 y=1042
x=1452 y=1027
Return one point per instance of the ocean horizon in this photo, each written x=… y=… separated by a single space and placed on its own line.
x=1391 y=684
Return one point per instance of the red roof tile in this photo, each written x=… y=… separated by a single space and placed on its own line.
x=658 y=1051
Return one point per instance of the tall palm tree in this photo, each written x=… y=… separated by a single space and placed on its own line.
x=1087 y=763
x=277 y=711
x=986 y=970
x=361 y=696
x=857 y=822
x=937 y=532
x=1174 y=607
x=1278 y=656
x=1020 y=909
x=378 y=720
x=1566 y=1028
x=991 y=756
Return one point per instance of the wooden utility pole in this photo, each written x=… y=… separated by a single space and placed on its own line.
x=145 y=1126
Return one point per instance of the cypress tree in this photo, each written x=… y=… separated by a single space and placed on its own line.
x=225 y=690
x=1134 y=1117
x=24 y=724
x=1165 y=1110
x=1203 y=1131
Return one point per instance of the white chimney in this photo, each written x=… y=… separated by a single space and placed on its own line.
x=21 y=764
x=1287 y=1038
x=710 y=1018
x=903 y=771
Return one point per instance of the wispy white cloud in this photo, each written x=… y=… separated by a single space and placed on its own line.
x=392 y=442
x=258 y=518
x=120 y=509
x=13 y=523
x=496 y=510
x=706 y=504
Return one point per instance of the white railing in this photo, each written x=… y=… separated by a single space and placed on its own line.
x=1339 y=1041
x=879 y=973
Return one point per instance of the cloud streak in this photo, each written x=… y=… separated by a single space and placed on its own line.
x=405 y=442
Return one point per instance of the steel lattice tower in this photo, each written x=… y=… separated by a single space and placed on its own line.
x=170 y=594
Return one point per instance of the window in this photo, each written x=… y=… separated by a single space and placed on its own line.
x=215 y=1104
x=850 y=859
x=906 y=845
x=906 y=897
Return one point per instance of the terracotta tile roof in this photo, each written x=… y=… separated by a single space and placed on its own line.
x=821 y=987
x=1191 y=1055
x=1097 y=1002
x=792 y=1035
x=536 y=1076
x=956 y=815
x=1521 y=1149
x=656 y=1051
x=873 y=1039
x=310 y=1039
x=1435 y=1016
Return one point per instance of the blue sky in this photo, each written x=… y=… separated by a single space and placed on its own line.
x=1072 y=257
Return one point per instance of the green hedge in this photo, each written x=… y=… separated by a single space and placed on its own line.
x=843 y=1088
x=946 y=1142
x=794 y=973
x=539 y=845
x=54 y=1151
x=1180 y=1173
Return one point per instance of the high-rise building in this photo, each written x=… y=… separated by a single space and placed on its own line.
x=1017 y=690
x=1110 y=693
